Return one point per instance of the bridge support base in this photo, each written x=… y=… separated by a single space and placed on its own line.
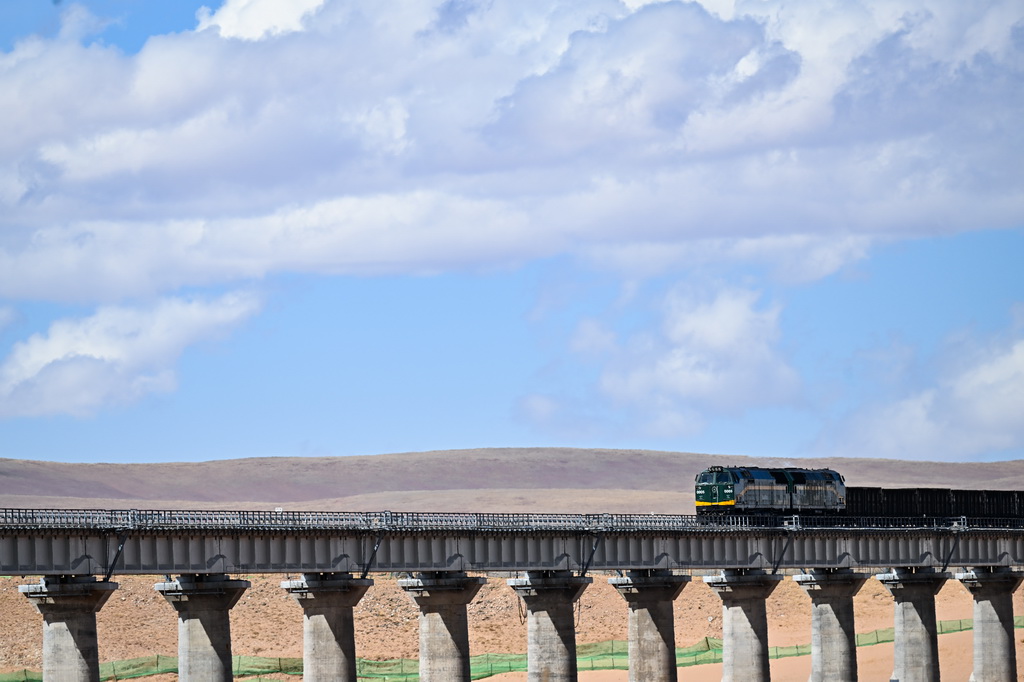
x=833 y=637
x=652 y=636
x=916 y=650
x=204 y=626
x=995 y=655
x=68 y=605
x=550 y=627
x=744 y=623
x=328 y=630
x=444 y=627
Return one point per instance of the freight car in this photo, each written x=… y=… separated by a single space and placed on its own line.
x=934 y=502
x=756 y=490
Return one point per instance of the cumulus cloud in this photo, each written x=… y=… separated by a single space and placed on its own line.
x=117 y=355
x=358 y=138
x=971 y=410
x=255 y=19
x=747 y=130
x=714 y=354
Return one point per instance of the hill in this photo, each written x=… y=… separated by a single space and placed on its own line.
x=485 y=480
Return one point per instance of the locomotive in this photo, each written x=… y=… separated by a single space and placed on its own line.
x=754 y=490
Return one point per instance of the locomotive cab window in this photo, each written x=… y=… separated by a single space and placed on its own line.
x=716 y=477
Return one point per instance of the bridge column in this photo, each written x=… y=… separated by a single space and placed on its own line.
x=204 y=625
x=550 y=626
x=444 y=627
x=833 y=637
x=328 y=630
x=995 y=655
x=744 y=622
x=652 y=636
x=916 y=650
x=68 y=605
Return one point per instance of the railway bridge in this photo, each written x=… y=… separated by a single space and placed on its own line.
x=447 y=557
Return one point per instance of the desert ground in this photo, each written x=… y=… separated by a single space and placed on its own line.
x=266 y=622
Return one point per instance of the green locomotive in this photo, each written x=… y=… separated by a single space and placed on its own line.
x=755 y=490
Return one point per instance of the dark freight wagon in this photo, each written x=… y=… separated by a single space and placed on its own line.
x=934 y=502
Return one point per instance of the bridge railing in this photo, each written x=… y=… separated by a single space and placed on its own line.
x=113 y=520
x=299 y=521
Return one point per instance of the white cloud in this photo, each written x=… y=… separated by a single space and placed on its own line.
x=117 y=355
x=417 y=232
x=714 y=355
x=255 y=19
x=972 y=410
x=490 y=133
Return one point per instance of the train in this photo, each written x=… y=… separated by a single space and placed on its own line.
x=721 y=490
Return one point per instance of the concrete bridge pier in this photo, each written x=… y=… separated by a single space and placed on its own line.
x=995 y=655
x=916 y=649
x=652 y=636
x=744 y=622
x=328 y=630
x=444 y=627
x=550 y=628
x=203 y=603
x=68 y=605
x=833 y=637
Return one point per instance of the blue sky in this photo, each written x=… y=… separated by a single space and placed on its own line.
x=330 y=228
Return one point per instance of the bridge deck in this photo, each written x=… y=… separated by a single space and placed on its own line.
x=98 y=542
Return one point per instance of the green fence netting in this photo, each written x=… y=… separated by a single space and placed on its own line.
x=609 y=655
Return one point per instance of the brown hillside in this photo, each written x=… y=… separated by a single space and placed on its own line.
x=505 y=479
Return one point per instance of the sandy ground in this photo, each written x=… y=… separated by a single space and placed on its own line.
x=266 y=622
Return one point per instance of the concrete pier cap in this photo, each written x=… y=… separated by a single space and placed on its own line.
x=741 y=584
x=327 y=590
x=655 y=584
x=71 y=591
x=453 y=586
x=558 y=585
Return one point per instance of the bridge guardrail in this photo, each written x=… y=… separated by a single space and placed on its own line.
x=114 y=520
x=298 y=521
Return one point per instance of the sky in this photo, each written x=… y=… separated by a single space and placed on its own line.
x=347 y=227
